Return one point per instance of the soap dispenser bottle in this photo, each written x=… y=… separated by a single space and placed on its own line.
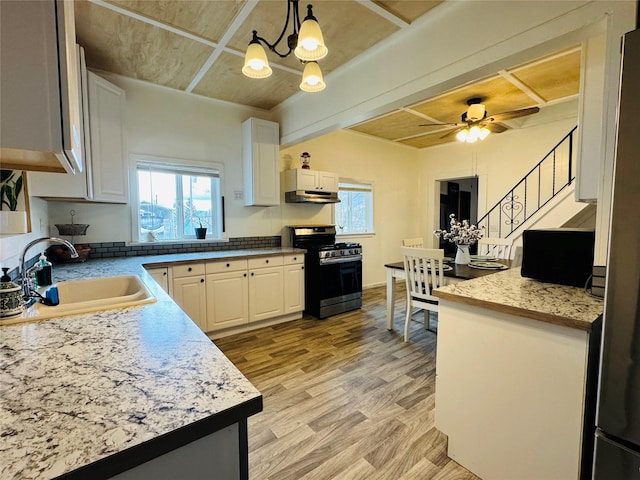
x=10 y=296
x=43 y=273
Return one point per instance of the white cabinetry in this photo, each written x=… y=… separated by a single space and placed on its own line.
x=499 y=375
x=266 y=288
x=261 y=162
x=227 y=294
x=189 y=291
x=310 y=180
x=107 y=105
x=293 y=283
x=40 y=115
x=161 y=276
x=106 y=176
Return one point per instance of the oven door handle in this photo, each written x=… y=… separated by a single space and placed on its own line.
x=353 y=258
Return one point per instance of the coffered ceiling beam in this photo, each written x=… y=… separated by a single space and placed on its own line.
x=374 y=7
x=522 y=86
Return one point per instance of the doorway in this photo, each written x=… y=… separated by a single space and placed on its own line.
x=459 y=197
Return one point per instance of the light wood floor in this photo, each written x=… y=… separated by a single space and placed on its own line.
x=344 y=398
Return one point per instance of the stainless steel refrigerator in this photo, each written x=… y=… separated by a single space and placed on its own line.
x=617 y=442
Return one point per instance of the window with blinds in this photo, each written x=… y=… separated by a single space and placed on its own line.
x=175 y=198
x=354 y=213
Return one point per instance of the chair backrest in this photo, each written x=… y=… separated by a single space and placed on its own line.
x=498 y=247
x=417 y=242
x=424 y=271
x=517 y=257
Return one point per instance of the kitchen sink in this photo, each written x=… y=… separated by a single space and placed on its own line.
x=90 y=295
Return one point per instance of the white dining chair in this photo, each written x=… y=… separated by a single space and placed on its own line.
x=495 y=246
x=417 y=242
x=517 y=257
x=424 y=271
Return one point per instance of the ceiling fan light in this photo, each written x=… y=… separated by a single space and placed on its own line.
x=474 y=134
x=311 y=45
x=312 y=80
x=476 y=112
x=484 y=133
x=462 y=135
x=256 y=64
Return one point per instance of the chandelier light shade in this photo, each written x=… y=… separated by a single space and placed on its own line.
x=312 y=80
x=311 y=45
x=305 y=41
x=256 y=64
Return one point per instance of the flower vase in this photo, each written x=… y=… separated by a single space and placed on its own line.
x=462 y=255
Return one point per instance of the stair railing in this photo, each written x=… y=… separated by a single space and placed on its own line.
x=547 y=179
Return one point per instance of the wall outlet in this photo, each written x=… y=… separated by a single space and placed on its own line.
x=238 y=194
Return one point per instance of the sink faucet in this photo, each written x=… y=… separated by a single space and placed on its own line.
x=25 y=282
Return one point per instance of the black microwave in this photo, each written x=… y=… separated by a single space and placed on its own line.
x=558 y=255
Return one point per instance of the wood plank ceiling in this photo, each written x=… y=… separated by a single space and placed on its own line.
x=198 y=46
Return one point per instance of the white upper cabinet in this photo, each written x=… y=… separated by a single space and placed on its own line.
x=261 y=162
x=310 y=180
x=105 y=178
x=40 y=115
x=107 y=104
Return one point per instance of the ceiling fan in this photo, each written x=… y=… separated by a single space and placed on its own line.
x=476 y=124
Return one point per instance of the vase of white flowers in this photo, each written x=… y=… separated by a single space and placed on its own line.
x=463 y=235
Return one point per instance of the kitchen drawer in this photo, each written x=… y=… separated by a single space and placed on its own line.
x=188 y=270
x=275 y=261
x=226 y=266
x=294 y=258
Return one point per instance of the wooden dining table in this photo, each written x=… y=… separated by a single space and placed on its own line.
x=458 y=273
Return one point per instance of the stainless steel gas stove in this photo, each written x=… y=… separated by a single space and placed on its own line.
x=333 y=271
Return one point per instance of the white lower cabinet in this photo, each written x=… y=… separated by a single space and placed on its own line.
x=189 y=292
x=266 y=288
x=161 y=276
x=293 y=283
x=230 y=294
x=227 y=294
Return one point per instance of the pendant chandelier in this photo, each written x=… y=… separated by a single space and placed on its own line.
x=305 y=41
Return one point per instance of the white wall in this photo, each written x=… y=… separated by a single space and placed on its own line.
x=393 y=171
x=166 y=123
x=500 y=161
x=11 y=245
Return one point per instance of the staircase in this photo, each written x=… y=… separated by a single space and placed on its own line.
x=543 y=198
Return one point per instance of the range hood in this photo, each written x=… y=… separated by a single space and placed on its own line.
x=311 y=196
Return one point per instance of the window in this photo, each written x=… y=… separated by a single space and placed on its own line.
x=354 y=213
x=175 y=198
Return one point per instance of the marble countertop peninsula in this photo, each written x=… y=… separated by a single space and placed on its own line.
x=81 y=392
x=509 y=292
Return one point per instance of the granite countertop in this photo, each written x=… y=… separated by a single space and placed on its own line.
x=509 y=292
x=86 y=391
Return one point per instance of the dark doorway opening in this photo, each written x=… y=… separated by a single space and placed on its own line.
x=459 y=197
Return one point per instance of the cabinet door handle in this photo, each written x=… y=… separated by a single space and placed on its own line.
x=267 y=261
x=252 y=274
x=189 y=269
x=202 y=280
x=302 y=268
x=228 y=265
x=295 y=258
x=164 y=273
x=245 y=274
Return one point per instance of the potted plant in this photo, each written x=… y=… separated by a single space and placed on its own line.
x=11 y=221
x=201 y=232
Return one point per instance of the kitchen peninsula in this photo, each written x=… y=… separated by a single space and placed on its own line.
x=514 y=367
x=99 y=394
